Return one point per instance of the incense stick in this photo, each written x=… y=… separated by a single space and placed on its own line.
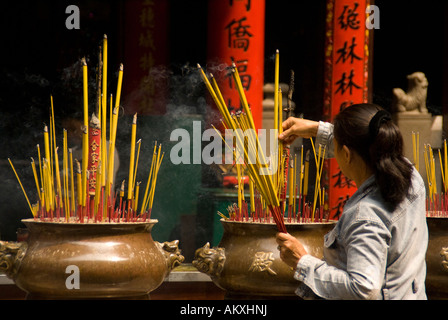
x=21 y=186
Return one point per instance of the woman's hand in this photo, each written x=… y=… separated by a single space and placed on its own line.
x=291 y=249
x=296 y=127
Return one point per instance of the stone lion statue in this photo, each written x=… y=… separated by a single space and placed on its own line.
x=415 y=97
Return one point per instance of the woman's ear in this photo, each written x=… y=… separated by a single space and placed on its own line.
x=347 y=154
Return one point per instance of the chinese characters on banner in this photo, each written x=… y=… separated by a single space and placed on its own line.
x=94 y=157
x=236 y=34
x=145 y=50
x=346 y=81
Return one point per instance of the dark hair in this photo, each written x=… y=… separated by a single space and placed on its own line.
x=381 y=147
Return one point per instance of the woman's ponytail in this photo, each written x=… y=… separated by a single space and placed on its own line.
x=370 y=131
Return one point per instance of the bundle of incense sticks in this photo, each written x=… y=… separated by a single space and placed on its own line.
x=95 y=199
x=299 y=208
x=267 y=189
x=436 y=202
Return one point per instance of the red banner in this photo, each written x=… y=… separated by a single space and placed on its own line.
x=236 y=34
x=346 y=81
x=145 y=56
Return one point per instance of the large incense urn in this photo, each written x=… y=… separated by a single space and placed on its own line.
x=247 y=264
x=63 y=260
x=437 y=258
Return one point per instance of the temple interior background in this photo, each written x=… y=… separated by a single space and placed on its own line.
x=40 y=57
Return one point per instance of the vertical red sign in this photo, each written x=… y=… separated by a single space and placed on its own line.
x=236 y=34
x=145 y=55
x=346 y=80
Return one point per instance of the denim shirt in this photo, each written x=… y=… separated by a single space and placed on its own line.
x=374 y=251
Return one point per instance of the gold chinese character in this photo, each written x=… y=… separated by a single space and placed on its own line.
x=146 y=61
x=262 y=262
x=146 y=40
x=147 y=18
x=94 y=157
x=94 y=145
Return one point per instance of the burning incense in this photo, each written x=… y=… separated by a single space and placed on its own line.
x=139 y=142
x=85 y=136
x=104 y=114
x=36 y=180
x=72 y=183
x=276 y=86
x=263 y=182
x=132 y=159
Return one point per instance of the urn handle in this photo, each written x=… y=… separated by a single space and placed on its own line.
x=11 y=255
x=172 y=253
x=444 y=255
x=210 y=260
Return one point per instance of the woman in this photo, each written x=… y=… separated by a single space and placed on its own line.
x=377 y=248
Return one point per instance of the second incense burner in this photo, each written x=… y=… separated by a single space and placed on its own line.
x=247 y=261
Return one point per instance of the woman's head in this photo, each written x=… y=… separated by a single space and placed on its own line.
x=369 y=131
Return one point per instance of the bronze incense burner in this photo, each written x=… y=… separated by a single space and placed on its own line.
x=91 y=260
x=247 y=262
x=437 y=258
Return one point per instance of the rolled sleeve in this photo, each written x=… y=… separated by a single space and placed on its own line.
x=325 y=137
x=361 y=280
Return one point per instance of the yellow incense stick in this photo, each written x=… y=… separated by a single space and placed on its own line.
x=110 y=163
x=263 y=183
x=238 y=169
x=46 y=144
x=132 y=158
x=33 y=166
x=58 y=177
x=97 y=189
x=79 y=182
x=119 y=84
x=65 y=171
x=50 y=190
x=85 y=160
x=24 y=193
x=40 y=162
x=428 y=173
x=252 y=195
x=306 y=173
x=295 y=180
x=85 y=136
x=417 y=152
x=72 y=182
x=104 y=115
x=46 y=186
x=139 y=142
x=441 y=171
x=280 y=143
x=149 y=179
x=276 y=86
x=291 y=181
x=414 y=150
x=153 y=188
x=445 y=164
x=137 y=189
x=110 y=117
x=317 y=183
